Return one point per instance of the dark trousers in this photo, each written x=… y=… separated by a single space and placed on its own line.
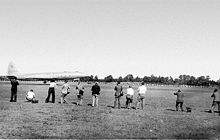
x=117 y=99
x=51 y=91
x=128 y=102
x=181 y=105
x=13 y=95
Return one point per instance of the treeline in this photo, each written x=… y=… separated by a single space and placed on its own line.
x=181 y=80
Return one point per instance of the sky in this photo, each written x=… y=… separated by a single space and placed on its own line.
x=112 y=37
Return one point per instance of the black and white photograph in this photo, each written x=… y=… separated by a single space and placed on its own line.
x=110 y=69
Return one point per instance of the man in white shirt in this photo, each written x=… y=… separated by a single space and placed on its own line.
x=141 y=95
x=51 y=90
x=30 y=95
x=129 y=97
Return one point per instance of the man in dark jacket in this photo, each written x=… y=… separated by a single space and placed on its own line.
x=179 y=99
x=118 y=94
x=95 y=93
x=14 y=84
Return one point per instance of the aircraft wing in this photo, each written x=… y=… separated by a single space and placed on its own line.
x=53 y=75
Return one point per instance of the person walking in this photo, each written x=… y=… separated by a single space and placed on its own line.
x=80 y=91
x=64 y=92
x=216 y=100
x=118 y=93
x=95 y=93
x=179 y=99
x=142 y=89
x=14 y=84
x=129 y=97
x=51 y=91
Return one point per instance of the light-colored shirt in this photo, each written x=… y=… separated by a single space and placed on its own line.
x=30 y=95
x=79 y=87
x=130 y=91
x=53 y=85
x=65 y=88
x=142 y=89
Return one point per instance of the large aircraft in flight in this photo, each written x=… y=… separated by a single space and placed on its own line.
x=66 y=75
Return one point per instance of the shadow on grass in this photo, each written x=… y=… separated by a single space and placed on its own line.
x=122 y=107
x=110 y=106
x=209 y=111
x=204 y=133
x=27 y=101
x=75 y=103
x=170 y=109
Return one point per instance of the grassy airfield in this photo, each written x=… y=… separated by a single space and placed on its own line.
x=158 y=119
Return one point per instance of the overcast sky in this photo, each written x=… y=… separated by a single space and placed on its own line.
x=112 y=37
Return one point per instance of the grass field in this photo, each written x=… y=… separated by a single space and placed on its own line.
x=158 y=119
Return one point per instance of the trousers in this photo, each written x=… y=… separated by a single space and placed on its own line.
x=51 y=91
x=117 y=101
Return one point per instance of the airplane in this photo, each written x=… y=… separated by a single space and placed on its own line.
x=66 y=75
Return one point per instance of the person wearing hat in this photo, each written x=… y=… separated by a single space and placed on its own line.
x=179 y=99
x=14 y=84
x=95 y=93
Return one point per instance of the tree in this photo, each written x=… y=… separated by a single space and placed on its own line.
x=129 y=78
x=96 y=79
x=137 y=79
x=109 y=78
x=120 y=79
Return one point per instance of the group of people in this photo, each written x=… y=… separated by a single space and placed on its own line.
x=65 y=90
x=142 y=89
x=119 y=92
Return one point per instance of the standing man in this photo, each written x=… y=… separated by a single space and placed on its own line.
x=216 y=100
x=118 y=93
x=80 y=90
x=95 y=93
x=64 y=92
x=129 y=96
x=51 y=90
x=142 y=89
x=179 y=100
x=14 y=84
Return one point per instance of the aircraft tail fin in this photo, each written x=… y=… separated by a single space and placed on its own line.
x=12 y=70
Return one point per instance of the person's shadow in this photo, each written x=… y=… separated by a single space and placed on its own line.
x=110 y=106
x=170 y=109
x=209 y=111
x=75 y=103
